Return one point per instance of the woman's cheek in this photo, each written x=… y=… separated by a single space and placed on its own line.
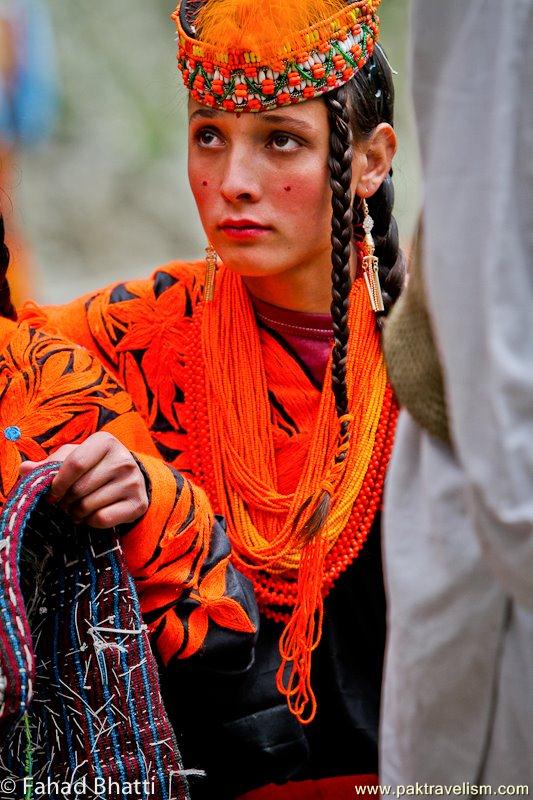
x=303 y=186
x=197 y=178
x=202 y=189
x=304 y=201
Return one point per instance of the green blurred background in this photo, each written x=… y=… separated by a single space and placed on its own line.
x=107 y=196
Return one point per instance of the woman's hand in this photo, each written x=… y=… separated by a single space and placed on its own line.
x=99 y=482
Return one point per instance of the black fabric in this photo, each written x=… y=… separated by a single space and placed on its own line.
x=238 y=728
x=224 y=650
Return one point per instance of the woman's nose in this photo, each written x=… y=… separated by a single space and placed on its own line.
x=240 y=180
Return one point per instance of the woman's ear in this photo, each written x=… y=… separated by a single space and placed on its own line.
x=379 y=150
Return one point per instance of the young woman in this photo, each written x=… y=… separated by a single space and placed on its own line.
x=268 y=394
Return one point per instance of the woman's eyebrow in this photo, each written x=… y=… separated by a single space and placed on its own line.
x=286 y=121
x=267 y=117
x=206 y=113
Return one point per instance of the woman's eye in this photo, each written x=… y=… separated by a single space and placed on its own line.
x=207 y=138
x=282 y=141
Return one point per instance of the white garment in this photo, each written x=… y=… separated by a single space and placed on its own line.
x=458 y=528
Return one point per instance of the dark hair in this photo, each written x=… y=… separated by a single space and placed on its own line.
x=355 y=110
x=371 y=101
x=7 y=309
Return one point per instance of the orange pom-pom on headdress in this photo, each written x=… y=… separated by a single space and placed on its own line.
x=253 y=55
x=261 y=27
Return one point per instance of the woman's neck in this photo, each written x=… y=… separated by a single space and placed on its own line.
x=306 y=288
x=301 y=289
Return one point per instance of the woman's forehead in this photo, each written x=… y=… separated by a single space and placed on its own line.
x=310 y=116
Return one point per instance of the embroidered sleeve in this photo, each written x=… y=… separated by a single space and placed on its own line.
x=53 y=393
x=140 y=331
x=178 y=543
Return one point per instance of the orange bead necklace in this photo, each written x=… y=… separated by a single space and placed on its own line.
x=233 y=457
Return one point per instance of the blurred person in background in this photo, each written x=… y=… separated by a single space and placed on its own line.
x=262 y=380
x=458 y=544
x=28 y=105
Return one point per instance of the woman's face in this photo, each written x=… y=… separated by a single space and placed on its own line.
x=261 y=183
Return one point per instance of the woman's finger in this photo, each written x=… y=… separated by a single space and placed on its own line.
x=107 y=495
x=124 y=511
x=59 y=455
x=28 y=466
x=83 y=459
x=89 y=483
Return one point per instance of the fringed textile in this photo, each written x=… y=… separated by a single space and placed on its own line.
x=79 y=686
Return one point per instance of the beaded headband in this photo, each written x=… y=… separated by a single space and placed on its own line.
x=232 y=66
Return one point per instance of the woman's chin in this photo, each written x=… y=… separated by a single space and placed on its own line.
x=251 y=261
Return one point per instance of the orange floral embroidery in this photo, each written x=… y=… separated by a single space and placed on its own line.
x=50 y=393
x=140 y=330
x=215 y=606
x=170 y=635
x=158 y=326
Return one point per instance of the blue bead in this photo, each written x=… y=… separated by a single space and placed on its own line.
x=12 y=433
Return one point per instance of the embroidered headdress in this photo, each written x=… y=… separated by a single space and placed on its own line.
x=245 y=55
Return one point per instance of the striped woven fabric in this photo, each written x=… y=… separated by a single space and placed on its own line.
x=80 y=706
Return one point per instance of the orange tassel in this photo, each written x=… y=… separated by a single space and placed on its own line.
x=302 y=635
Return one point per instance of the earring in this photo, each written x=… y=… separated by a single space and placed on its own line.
x=211 y=263
x=371 y=264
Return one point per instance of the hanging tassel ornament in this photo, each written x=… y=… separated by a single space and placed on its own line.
x=211 y=263
x=371 y=264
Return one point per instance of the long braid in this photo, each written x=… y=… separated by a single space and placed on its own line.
x=7 y=308
x=355 y=110
x=340 y=169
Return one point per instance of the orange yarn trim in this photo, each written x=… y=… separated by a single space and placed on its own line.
x=233 y=456
x=226 y=37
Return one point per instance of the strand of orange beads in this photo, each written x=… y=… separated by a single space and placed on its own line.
x=279 y=590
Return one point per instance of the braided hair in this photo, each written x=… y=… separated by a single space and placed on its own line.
x=7 y=308
x=340 y=167
x=355 y=110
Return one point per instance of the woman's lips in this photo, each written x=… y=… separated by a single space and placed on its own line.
x=243 y=229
